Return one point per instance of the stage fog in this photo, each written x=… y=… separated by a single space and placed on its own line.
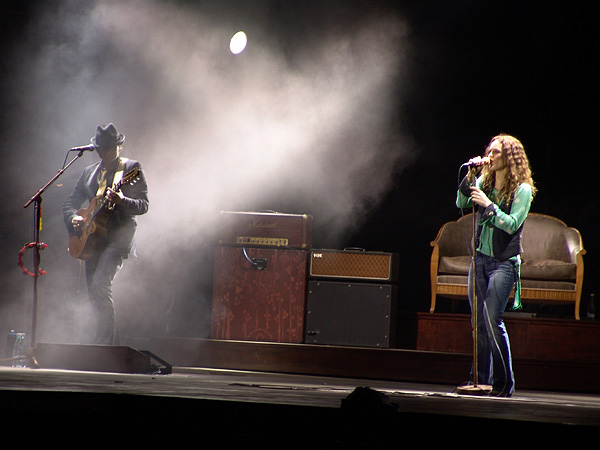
x=299 y=122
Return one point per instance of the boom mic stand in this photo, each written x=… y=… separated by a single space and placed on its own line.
x=475 y=388
x=37 y=245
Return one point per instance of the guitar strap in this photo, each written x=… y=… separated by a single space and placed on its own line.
x=119 y=173
x=118 y=176
x=101 y=183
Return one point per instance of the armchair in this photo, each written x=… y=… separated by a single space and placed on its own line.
x=551 y=269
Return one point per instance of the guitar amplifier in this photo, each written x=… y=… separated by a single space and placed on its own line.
x=259 y=294
x=353 y=314
x=354 y=264
x=265 y=229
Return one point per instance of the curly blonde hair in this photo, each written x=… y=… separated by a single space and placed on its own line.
x=519 y=170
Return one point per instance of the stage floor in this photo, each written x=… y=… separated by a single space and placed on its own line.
x=270 y=408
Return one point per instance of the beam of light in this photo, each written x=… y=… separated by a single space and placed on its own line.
x=238 y=42
x=297 y=130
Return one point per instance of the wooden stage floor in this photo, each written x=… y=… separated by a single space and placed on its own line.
x=277 y=409
x=273 y=395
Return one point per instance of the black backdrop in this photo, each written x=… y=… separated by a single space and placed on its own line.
x=478 y=68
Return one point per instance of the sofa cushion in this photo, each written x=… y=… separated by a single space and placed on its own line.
x=533 y=269
x=454 y=265
x=547 y=269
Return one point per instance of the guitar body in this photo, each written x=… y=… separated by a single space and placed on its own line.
x=91 y=236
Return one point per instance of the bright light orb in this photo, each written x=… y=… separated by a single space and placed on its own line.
x=238 y=42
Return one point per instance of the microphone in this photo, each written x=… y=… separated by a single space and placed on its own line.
x=477 y=162
x=85 y=148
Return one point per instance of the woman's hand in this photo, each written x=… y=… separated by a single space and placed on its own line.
x=479 y=197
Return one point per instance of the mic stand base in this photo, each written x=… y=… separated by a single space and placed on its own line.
x=474 y=389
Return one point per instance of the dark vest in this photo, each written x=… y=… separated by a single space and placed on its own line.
x=505 y=245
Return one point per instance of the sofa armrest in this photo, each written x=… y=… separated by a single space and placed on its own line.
x=574 y=244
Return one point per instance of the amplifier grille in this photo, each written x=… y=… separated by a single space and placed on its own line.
x=344 y=264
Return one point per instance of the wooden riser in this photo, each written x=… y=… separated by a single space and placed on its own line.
x=547 y=354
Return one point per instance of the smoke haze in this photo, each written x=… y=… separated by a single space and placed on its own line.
x=297 y=123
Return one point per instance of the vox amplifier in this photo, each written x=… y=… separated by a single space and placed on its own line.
x=265 y=229
x=354 y=264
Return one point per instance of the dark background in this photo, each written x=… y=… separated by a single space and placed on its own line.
x=472 y=69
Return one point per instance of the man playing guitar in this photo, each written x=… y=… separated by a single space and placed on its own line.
x=104 y=234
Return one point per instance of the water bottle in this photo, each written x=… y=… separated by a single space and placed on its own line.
x=19 y=351
x=591 y=308
x=10 y=344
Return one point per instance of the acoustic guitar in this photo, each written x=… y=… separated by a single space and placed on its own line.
x=91 y=235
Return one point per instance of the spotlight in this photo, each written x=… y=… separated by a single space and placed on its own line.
x=238 y=42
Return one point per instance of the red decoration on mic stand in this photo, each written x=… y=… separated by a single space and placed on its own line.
x=40 y=246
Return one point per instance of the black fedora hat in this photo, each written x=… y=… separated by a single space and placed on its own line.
x=107 y=136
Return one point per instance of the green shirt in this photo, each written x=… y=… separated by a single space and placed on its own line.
x=508 y=222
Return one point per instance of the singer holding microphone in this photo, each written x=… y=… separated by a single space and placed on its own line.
x=500 y=188
x=115 y=189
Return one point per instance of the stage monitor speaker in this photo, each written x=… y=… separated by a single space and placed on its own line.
x=94 y=358
x=354 y=264
x=350 y=314
x=259 y=294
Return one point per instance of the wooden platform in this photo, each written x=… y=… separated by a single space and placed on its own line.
x=548 y=354
x=274 y=394
x=531 y=338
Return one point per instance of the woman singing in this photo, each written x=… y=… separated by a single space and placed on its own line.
x=501 y=195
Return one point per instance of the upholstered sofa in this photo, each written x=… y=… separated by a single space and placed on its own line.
x=552 y=261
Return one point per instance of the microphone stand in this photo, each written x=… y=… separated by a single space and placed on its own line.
x=475 y=388
x=37 y=245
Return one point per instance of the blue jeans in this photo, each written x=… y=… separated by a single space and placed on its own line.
x=101 y=271
x=494 y=282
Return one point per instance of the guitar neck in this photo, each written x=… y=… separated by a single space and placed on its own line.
x=102 y=203
x=116 y=188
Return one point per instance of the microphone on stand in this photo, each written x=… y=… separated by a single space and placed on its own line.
x=85 y=148
x=476 y=162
